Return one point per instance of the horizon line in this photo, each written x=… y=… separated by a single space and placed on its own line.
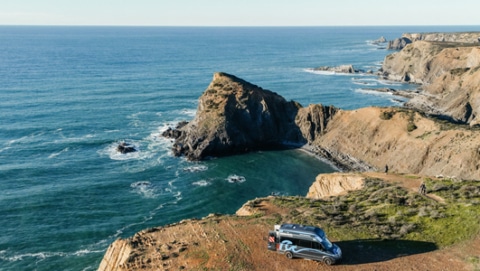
x=366 y=25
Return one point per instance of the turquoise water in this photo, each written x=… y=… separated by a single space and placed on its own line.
x=70 y=95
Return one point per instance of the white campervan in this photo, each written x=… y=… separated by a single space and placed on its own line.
x=303 y=241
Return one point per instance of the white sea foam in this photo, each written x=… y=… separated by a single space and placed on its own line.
x=53 y=155
x=330 y=73
x=202 y=183
x=189 y=112
x=389 y=83
x=233 y=178
x=364 y=83
x=144 y=189
x=196 y=168
x=373 y=92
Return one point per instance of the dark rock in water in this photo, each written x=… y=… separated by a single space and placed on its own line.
x=125 y=148
x=380 y=40
x=174 y=133
x=235 y=116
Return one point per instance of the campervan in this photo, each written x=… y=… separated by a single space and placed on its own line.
x=307 y=242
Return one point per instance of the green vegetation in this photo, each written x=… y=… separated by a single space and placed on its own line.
x=459 y=71
x=386 y=115
x=388 y=212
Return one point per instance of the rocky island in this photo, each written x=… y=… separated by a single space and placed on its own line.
x=374 y=215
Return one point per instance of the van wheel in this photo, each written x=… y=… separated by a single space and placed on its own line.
x=328 y=261
x=289 y=254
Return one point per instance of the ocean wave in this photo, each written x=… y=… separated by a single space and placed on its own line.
x=144 y=189
x=389 y=83
x=202 y=183
x=364 y=83
x=233 y=178
x=53 y=155
x=196 y=168
x=373 y=92
x=43 y=255
x=189 y=112
x=330 y=73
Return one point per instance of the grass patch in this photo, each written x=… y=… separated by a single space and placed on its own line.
x=388 y=212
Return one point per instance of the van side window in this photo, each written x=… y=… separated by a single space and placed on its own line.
x=316 y=245
x=305 y=243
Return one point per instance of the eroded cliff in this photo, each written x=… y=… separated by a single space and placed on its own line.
x=405 y=140
x=449 y=74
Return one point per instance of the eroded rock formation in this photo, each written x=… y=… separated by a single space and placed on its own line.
x=327 y=185
x=235 y=116
x=449 y=73
x=449 y=37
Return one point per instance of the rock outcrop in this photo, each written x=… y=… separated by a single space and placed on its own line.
x=398 y=44
x=125 y=148
x=449 y=73
x=328 y=185
x=452 y=37
x=457 y=37
x=405 y=140
x=116 y=256
x=235 y=116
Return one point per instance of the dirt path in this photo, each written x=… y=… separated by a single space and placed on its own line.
x=410 y=182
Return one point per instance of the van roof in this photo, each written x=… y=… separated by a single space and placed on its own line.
x=302 y=229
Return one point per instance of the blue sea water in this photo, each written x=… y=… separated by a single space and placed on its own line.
x=70 y=95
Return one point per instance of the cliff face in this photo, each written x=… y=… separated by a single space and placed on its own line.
x=235 y=116
x=461 y=37
x=404 y=140
x=328 y=185
x=449 y=73
x=452 y=37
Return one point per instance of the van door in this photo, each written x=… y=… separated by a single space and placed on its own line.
x=311 y=250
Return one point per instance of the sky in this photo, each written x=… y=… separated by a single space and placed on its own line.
x=239 y=12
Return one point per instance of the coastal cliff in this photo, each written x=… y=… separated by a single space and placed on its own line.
x=449 y=37
x=449 y=74
x=236 y=116
x=405 y=140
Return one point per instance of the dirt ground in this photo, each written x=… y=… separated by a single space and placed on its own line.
x=236 y=243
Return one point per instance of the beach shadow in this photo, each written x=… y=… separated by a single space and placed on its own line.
x=373 y=250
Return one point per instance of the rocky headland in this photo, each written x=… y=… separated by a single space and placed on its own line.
x=358 y=210
x=235 y=116
x=449 y=75
x=454 y=37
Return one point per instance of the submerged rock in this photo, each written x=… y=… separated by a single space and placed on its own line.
x=126 y=148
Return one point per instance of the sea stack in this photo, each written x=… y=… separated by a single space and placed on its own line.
x=235 y=116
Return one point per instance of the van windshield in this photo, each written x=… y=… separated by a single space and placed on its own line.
x=325 y=242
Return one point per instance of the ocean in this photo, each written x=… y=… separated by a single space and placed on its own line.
x=70 y=95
